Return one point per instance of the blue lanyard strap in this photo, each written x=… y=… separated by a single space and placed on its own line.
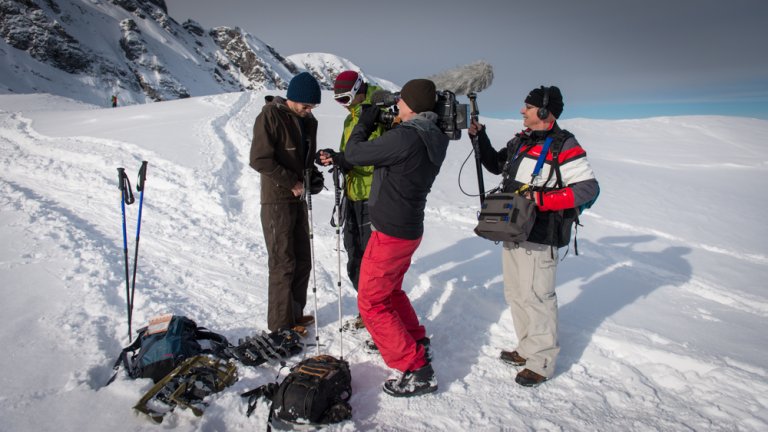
x=542 y=158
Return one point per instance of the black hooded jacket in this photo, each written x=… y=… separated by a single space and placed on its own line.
x=407 y=159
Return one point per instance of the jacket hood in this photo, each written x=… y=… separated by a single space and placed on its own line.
x=434 y=139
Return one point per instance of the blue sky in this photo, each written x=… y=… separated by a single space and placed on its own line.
x=611 y=59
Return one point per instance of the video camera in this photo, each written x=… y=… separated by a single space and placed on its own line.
x=451 y=115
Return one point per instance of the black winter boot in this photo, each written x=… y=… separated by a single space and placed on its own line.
x=412 y=383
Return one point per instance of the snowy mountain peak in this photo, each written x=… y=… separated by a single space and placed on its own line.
x=89 y=50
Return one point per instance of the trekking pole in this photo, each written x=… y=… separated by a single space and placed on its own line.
x=474 y=115
x=337 y=223
x=307 y=196
x=140 y=188
x=126 y=197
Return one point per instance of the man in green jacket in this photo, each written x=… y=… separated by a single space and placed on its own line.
x=282 y=151
x=351 y=91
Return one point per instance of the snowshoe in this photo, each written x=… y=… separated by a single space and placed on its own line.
x=187 y=386
x=258 y=349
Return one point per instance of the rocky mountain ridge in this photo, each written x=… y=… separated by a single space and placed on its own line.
x=90 y=50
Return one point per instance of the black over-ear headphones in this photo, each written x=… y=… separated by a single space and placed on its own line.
x=543 y=112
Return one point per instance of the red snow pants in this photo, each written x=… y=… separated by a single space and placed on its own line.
x=384 y=306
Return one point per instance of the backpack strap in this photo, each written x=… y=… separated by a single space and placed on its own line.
x=122 y=358
x=219 y=343
x=268 y=391
x=557 y=146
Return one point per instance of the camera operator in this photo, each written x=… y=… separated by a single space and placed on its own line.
x=352 y=92
x=529 y=267
x=406 y=160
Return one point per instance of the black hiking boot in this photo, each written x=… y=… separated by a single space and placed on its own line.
x=513 y=358
x=529 y=378
x=412 y=383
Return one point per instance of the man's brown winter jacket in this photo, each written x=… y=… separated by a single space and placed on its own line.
x=283 y=147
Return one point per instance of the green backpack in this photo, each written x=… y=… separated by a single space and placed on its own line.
x=164 y=344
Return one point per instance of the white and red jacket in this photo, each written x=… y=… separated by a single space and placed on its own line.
x=556 y=202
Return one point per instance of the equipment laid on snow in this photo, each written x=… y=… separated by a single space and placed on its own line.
x=187 y=386
x=140 y=188
x=127 y=199
x=166 y=342
x=316 y=391
x=258 y=349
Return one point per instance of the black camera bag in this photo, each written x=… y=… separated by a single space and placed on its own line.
x=316 y=391
x=506 y=217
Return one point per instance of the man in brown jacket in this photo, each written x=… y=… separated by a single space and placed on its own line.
x=282 y=151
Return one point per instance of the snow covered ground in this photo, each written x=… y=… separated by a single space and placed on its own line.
x=663 y=313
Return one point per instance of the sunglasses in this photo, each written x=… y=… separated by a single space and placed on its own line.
x=346 y=98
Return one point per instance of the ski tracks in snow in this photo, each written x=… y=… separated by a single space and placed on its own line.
x=180 y=206
x=60 y=228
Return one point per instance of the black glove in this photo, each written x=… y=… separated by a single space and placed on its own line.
x=316 y=182
x=331 y=154
x=368 y=116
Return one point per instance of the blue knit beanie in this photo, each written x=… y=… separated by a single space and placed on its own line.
x=304 y=88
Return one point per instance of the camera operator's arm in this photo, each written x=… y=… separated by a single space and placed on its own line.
x=328 y=156
x=368 y=116
x=385 y=150
x=491 y=159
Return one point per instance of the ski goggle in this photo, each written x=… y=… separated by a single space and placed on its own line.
x=346 y=97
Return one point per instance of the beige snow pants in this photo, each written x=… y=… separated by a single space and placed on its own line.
x=529 y=288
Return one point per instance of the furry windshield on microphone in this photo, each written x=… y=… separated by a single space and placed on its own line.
x=462 y=80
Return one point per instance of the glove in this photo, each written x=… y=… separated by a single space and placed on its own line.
x=316 y=182
x=331 y=153
x=369 y=116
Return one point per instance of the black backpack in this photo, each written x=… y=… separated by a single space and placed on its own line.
x=164 y=344
x=316 y=391
x=561 y=222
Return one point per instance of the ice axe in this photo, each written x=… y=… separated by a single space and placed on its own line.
x=469 y=80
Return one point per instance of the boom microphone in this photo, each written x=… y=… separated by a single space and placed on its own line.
x=463 y=80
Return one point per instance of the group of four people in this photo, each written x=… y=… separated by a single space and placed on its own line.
x=388 y=175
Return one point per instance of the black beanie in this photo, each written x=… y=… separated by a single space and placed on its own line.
x=555 y=99
x=419 y=95
x=304 y=88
